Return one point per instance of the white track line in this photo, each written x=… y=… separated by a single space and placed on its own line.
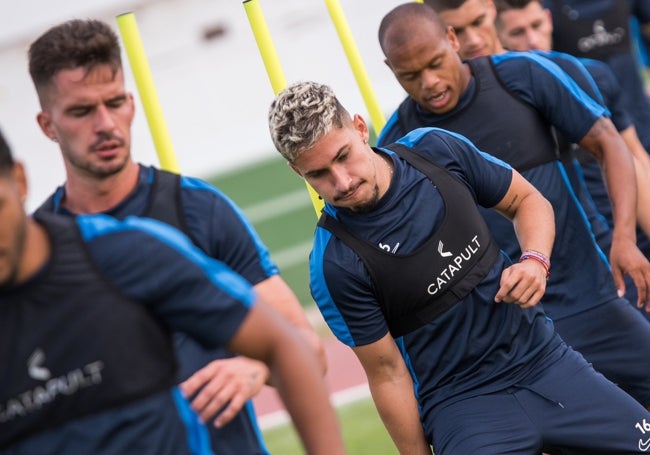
x=340 y=398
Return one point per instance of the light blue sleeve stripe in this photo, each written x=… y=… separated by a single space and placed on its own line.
x=392 y=121
x=321 y=293
x=596 y=109
x=583 y=214
x=580 y=66
x=415 y=136
x=249 y=408
x=198 y=439
x=93 y=226
x=263 y=252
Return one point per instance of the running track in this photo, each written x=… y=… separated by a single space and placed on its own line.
x=345 y=378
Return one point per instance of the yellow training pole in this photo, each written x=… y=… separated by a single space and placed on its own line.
x=345 y=36
x=273 y=68
x=147 y=90
x=265 y=45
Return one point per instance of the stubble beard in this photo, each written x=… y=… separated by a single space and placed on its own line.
x=370 y=204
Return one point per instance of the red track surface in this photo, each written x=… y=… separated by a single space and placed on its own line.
x=344 y=372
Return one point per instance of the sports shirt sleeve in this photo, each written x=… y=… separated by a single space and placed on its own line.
x=340 y=283
x=544 y=85
x=342 y=289
x=485 y=175
x=612 y=92
x=222 y=230
x=152 y=263
x=577 y=71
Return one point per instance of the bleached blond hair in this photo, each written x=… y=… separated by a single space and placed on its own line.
x=301 y=114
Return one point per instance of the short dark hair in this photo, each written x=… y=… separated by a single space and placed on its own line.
x=405 y=14
x=73 y=44
x=6 y=158
x=443 y=5
x=506 y=5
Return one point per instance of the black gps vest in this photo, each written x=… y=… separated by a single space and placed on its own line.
x=596 y=36
x=516 y=134
x=416 y=288
x=71 y=344
x=165 y=187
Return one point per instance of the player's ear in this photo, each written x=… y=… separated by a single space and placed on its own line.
x=360 y=125
x=19 y=177
x=44 y=120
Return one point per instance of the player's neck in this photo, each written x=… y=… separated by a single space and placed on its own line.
x=88 y=194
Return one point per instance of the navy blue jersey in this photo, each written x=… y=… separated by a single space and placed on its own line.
x=153 y=265
x=536 y=81
x=613 y=99
x=583 y=170
x=475 y=347
x=597 y=81
x=581 y=277
x=219 y=228
x=214 y=222
x=600 y=29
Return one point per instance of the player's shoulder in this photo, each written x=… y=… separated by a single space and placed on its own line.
x=511 y=59
x=130 y=231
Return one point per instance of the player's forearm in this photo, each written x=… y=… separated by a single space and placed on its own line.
x=531 y=213
x=398 y=409
x=642 y=170
x=297 y=378
x=534 y=225
x=617 y=165
x=281 y=298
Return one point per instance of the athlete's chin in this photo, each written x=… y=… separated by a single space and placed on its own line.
x=367 y=206
x=108 y=168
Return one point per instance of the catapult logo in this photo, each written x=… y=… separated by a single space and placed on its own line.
x=50 y=388
x=601 y=37
x=456 y=263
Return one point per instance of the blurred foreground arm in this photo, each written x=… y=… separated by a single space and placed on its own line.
x=231 y=382
x=279 y=295
x=295 y=371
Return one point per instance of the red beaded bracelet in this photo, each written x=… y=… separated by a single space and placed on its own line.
x=539 y=257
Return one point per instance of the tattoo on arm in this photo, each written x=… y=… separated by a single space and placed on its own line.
x=512 y=203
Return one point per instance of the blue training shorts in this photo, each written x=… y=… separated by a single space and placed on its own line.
x=615 y=339
x=569 y=408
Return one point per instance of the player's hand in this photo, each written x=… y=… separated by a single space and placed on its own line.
x=626 y=259
x=523 y=284
x=224 y=386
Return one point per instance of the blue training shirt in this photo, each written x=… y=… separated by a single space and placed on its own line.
x=478 y=345
x=612 y=31
x=153 y=265
x=221 y=230
x=580 y=277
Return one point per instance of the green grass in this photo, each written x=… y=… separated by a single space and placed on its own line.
x=363 y=433
x=261 y=190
